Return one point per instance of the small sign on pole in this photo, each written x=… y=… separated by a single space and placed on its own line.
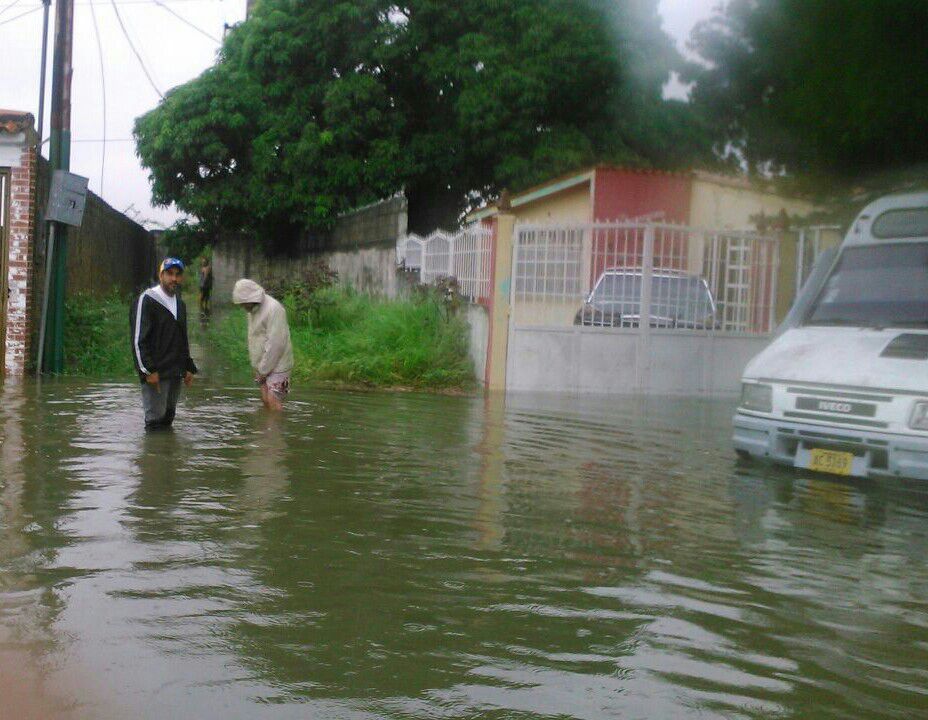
x=66 y=198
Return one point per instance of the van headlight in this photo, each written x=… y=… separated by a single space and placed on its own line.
x=755 y=396
x=919 y=418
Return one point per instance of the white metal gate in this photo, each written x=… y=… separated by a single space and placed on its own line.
x=638 y=307
x=678 y=277
x=465 y=256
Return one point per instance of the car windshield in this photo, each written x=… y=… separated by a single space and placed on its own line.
x=675 y=297
x=876 y=286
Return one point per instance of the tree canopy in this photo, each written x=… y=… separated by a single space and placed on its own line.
x=315 y=106
x=817 y=88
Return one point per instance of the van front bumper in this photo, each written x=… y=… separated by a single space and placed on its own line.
x=875 y=454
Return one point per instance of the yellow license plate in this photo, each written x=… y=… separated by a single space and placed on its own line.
x=831 y=461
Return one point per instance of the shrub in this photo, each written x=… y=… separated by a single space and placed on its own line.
x=344 y=336
x=96 y=337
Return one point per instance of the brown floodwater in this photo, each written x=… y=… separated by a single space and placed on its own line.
x=387 y=555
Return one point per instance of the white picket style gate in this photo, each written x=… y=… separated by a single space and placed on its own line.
x=465 y=255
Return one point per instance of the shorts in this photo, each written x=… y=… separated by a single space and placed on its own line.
x=279 y=384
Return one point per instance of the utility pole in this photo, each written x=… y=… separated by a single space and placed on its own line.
x=47 y=5
x=59 y=155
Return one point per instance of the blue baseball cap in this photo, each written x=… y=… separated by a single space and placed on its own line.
x=169 y=263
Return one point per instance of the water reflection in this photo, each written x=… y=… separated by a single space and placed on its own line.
x=12 y=470
x=491 y=460
x=399 y=555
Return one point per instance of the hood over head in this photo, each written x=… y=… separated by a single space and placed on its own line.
x=247 y=291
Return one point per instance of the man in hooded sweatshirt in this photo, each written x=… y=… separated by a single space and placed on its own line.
x=158 y=322
x=269 y=347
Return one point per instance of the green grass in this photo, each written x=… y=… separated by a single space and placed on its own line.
x=96 y=337
x=338 y=336
x=345 y=337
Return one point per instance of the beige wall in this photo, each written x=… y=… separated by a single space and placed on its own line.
x=572 y=205
x=715 y=204
x=549 y=313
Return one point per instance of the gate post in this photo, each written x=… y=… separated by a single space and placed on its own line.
x=451 y=246
x=500 y=302
x=644 y=323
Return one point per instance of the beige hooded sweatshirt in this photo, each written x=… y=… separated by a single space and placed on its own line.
x=269 y=347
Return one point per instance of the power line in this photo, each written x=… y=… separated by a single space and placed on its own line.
x=131 y=45
x=160 y=3
x=143 y=2
x=139 y=38
x=118 y=2
x=10 y=6
x=96 y=31
x=186 y=22
x=17 y=17
x=101 y=140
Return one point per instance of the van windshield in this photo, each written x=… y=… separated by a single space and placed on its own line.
x=876 y=286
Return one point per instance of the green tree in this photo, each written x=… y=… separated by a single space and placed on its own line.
x=316 y=106
x=818 y=88
x=185 y=241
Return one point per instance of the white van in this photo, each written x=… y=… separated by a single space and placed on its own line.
x=843 y=388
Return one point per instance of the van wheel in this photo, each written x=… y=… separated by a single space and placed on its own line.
x=743 y=455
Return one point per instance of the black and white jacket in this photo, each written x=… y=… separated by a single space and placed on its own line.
x=159 y=341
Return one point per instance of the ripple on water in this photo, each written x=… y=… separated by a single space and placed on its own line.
x=403 y=555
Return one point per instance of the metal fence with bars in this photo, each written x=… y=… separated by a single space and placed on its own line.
x=810 y=242
x=464 y=255
x=617 y=274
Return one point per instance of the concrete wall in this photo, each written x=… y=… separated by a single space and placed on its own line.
x=377 y=224
x=478 y=319
x=370 y=270
x=623 y=361
x=550 y=312
x=361 y=248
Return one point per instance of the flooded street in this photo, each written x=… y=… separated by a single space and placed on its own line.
x=382 y=555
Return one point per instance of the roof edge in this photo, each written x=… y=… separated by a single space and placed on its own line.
x=16 y=121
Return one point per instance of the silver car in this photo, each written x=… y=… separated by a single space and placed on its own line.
x=678 y=300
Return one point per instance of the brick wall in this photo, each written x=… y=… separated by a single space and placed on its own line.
x=20 y=259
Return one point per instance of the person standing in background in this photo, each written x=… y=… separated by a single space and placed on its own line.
x=206 y=286
x=160 y=349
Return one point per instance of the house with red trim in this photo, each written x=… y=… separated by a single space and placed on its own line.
x=606 y=193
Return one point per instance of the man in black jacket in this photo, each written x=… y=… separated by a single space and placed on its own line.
x=159 y=345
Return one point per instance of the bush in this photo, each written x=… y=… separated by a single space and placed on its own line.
x=343 y=336
x=300 y=297
x=96 y=337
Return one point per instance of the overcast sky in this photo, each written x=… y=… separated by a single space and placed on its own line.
x=172 y=51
